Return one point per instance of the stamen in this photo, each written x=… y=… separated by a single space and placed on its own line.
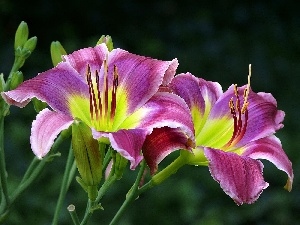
x=246 y=91
x=114 y=93
x=105 y=88
x=102 y=111
x=88 y=79
x=93 y=104
x=99 y=95
x=239 y=114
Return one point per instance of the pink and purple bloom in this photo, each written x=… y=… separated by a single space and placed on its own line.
x=113 y=92
x=232 y=131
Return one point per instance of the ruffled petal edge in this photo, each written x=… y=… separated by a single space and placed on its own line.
x=45 y=128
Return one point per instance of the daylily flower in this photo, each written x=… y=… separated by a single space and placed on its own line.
x=232 y=130
x=113 y=92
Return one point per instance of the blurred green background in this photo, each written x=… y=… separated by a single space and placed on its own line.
x=214 y=40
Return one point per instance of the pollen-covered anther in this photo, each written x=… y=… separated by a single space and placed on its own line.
x=190 y=144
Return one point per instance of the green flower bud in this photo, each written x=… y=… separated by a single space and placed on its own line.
x=18 y=51
x=88 y=158
x=120 y=165
x=16 y=79
x=66 y=133
x=38 y=105
x=57 y=51
x=107 y=40
x=2 y=82
x=4 y=107
x=30 y=44
x=21 y=35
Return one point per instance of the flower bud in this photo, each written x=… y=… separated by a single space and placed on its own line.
x=57 y=51
x=38 y=105
x=2 y=82
x=21 y=35
x=4 y=108
x=107 y=40
x=16 y=79
x=88 y=158
x=120 y=165
x=30 y=44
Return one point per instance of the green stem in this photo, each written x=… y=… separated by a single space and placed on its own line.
x=132 y=194
x=64 y=186
x=18 y=63
x=30 y=169
x=31 y=174
x=26 y=183
x=72 y=173
x=88 y=212
x=106 y=185
x=15 y=66
x=37 y=170
x=5 y=200
x=168 y=171
x=72 y=211
x=135 y=191
x=92 y=205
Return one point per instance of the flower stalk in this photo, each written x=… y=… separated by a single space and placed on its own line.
x=33 y=171
x=132 y=194
x=68 y=175
x=74 y=216
x=5 y=200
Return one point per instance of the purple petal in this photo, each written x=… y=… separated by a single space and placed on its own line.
x=139 y=77
x=170 y=73
x=195 y=91
x=199 y=94
x=127 y=142
x=44 y=130
x=161 y=142
x=93 y=57
x=54 y=87
x=240 y=177
x=264 y=118
x=269 y=148
x=163 y=109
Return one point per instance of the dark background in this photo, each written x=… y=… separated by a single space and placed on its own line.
x=215 y=41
